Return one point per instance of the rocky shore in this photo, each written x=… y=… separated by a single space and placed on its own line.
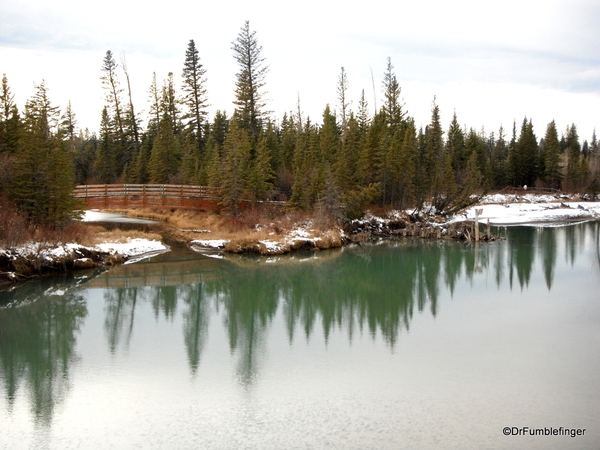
x=39 y=259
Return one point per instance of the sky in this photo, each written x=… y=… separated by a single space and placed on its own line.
x=493 y=64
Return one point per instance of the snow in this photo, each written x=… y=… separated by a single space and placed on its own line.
x=533 y=209
x=210 y=243
x=134 y=249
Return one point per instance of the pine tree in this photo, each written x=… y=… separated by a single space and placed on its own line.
x=250 y=81
x=435 y=154
x=110 y=81
x=409 y=162
x=523 y=156
x=345 y=167
x=194 y=95
x=168 y=104
x=166 y=153
x=576 y=170
x=362 y=115
x=342 y=91
x=329 y=136
x=131 y=121
x=552 y=170
x=500 y=177
x=391 y=94
x=155 y=101
x=10 y=122
x=261 y=174
x=370 y=161
x=455 y=145
x=301 y=167
x=43 y=176
x=214 y=148
x=106 y=160
x=235 y=167
x=475 y=144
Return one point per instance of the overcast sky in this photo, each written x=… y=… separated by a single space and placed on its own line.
x=491 y=62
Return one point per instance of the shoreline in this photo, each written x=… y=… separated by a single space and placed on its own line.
x=209 y=234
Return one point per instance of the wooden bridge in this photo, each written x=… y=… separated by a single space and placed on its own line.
x=136 y=196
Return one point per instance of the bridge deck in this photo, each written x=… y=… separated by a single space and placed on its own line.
x=125 y=196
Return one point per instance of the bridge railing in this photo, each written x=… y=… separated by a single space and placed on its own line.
x=145 y=190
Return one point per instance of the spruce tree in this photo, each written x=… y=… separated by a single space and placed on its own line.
x=10 y=122
x=391 y=94
x=110 y=81
x=169 y=104
x=194 y=95
x=261 y=174
x=249 y=81
x=154 y=95
x=131 y=121
x=106 y=159
x=552 y=170
x=362 y=115
x=435 y=152
x=43 y=176
x=500 y=177
x=475 y=145
x=235 y=168
x=342 y=91
x=523 y=156
x=166 y=153
x=455 y=145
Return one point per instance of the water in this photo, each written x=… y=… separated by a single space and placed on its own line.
x=406 y=344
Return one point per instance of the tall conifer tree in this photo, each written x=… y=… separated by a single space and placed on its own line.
x=249 y=81
x=552 y=170
x=43 y=176
x=194 y=95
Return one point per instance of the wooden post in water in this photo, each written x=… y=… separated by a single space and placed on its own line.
x=477 y=212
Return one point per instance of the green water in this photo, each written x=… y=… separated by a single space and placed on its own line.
x=406 y=344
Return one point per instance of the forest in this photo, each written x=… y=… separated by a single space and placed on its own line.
x=341 y=164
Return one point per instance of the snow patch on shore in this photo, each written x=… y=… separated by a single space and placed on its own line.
x=134 y=249
x=501 y=209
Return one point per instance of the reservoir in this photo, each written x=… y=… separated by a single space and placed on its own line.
x=406 y=344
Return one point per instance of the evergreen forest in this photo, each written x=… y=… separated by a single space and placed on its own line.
x=342 y=162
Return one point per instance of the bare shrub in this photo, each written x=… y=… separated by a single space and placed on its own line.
x=14 y=227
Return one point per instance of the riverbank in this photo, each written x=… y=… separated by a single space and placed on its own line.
x=272 y=233
x=102 y=248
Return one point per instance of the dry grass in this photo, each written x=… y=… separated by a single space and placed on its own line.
x=251 y=226
x=118 y=236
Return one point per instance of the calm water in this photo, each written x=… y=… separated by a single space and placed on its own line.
x=410 y=344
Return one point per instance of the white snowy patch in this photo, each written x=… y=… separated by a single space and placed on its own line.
x=210 y=243
x=272 y=246
x=133 y=247
x=529 y=209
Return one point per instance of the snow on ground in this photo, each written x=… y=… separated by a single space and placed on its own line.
x=271 y=247
x=210 y=243
x=534 y=209
x=134 y=249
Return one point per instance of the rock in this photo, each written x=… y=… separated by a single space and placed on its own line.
x=83 y=263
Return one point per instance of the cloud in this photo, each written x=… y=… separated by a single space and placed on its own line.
x=437 y=47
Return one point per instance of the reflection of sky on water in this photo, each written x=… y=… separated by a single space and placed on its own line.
x=102 y=216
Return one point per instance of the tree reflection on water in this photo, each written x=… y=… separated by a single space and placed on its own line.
x=373 y=289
